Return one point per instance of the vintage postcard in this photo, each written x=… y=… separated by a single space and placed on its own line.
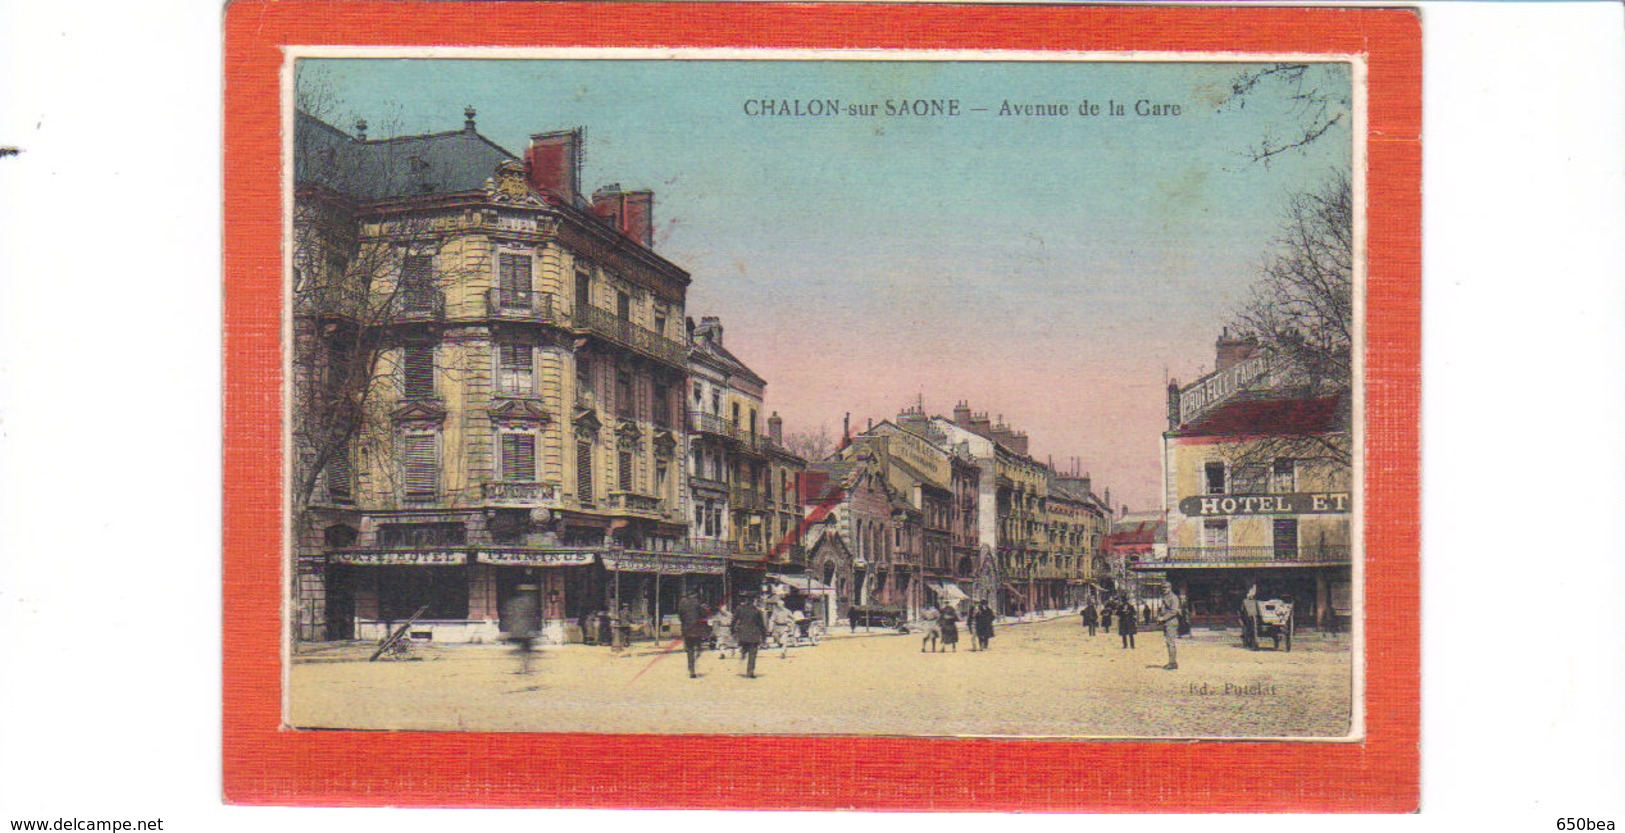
x=829 y=396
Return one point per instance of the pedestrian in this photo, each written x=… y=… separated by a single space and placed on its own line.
x=749 y=631
x=784 y=626
x=1106 y=615
x=1145 y=614
x=722 y=628
x=933 y=628
x=982 y=624
x=1091 y=617
x=521 y=615
x=1170 y=618
x=949 y=622
x=691 y=612
x=1126 y=627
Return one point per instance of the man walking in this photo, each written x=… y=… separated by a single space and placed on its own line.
x=1169 y=619
x=696 y=630
x=749 y=631
x=1091 y=617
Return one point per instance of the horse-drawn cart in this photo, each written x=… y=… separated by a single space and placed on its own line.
x=1270 y=619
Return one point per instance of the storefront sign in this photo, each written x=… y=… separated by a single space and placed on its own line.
x=399 y=557
x=1296 y=503
x=533 y=558
x=666 y=565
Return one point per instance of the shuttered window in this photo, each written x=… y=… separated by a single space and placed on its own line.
x=519 y=457
x=584 y=473
x=340 y=479
x=514 y=369
x=417 y=284
x=514 y=281
x=422 y=467
x=625 y=470
x=418 y=372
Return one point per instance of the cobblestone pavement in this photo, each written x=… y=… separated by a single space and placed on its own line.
x=1044 y=678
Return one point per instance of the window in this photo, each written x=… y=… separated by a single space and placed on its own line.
x=421 y=462
x=623 y=392
x=623 y=306
x=584 y=473
x=697 y=401
x=662 y=474
x=519 y=457
x=418 y=371
x=340 y=480
x=441 y=592
x=583 y=290
x=624 y=469
x=660 y=323
x=583 y=377
x=515 y=363
x=1249 y=480
x=1215 y=478
x=661 y=406
x=1286 y=475
x=417 y=284
x=1216 y=533
x=514 y=281
x=1286 y=538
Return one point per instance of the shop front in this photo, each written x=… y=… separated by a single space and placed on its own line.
x=1213 y=595
x=644 y=587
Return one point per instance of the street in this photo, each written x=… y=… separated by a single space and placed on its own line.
x=1044 y=678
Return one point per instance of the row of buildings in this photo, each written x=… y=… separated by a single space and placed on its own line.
x=496 y=389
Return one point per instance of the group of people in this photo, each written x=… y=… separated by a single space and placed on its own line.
x=1128 y=618
x=744 y=628
x=942 y=627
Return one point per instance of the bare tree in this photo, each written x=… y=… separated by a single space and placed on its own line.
x=1301 y=310
x=810 y=445
x=1319 y=96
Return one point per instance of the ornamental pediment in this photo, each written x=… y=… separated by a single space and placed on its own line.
x=420 y=410
x=629 y=431
x=509 y=185
x=586 y=421
x=665 y=443
x=519 y=410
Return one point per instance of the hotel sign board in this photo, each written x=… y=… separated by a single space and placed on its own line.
x=534 y=558
x=1293 y=503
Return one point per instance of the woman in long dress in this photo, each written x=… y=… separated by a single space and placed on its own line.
x=949 y=623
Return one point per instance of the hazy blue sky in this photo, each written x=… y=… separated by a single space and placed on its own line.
x=1046 y=268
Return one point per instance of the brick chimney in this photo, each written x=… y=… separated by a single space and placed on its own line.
x=962 y=415
x=775 y=429
x=551 y=163
x=1018 y=442
x=1233 y=351
x=630 y=212
x=710 y=328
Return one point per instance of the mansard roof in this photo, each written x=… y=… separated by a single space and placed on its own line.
x=434 y=163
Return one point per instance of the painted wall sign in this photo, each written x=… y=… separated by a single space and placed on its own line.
x=1295 y=503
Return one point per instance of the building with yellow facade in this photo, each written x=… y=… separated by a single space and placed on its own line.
x=1259 y=490
x=488 y=390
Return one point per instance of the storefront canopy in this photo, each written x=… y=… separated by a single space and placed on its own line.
x=666 y=564
x=805 y=584
x=948 y=590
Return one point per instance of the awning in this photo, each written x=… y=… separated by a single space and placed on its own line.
x=666 y=564
x=806 y=584
x=947 y=590
x=534 y=558
x=396 y=557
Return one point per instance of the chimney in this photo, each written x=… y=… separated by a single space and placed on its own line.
x=468 y=118
x=552 y=161
x=1018 y=442
x=1107 y=499
x=1232 y=351
x=962 y=415
x=361 y=130
x=710 y=328
x=1173 y=405
x=775 y=429
x=630 y=212
x=981 y=425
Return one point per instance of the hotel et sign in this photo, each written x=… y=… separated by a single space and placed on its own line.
x=1294 y=503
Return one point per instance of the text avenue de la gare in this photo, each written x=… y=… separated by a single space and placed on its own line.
x=953 y=107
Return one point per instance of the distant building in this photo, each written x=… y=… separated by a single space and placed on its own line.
x=1259 y=489
x=1136 y=537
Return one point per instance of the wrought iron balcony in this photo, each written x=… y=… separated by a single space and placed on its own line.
x=417 y=303
x=518 y=493
x=1317 y=554
x=523 y=305
x=703 y=423
x=740 y=497
x=627 y=334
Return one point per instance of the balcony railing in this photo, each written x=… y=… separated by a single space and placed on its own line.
x=413 y=303
x=518 y=493
x=636 y=503
x=1318 y=554
x=625 y=333
x=704 y=423
x=747 y=499
x=523 y=305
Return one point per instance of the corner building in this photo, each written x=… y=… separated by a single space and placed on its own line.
x=521 y=423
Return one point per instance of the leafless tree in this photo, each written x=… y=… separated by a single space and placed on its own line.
x=811 y=446
x=1319 y=95
x=1301 y=310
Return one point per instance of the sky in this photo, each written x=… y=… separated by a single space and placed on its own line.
x=1055 y=269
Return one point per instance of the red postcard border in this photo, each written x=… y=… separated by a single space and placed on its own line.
x=264 y=764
